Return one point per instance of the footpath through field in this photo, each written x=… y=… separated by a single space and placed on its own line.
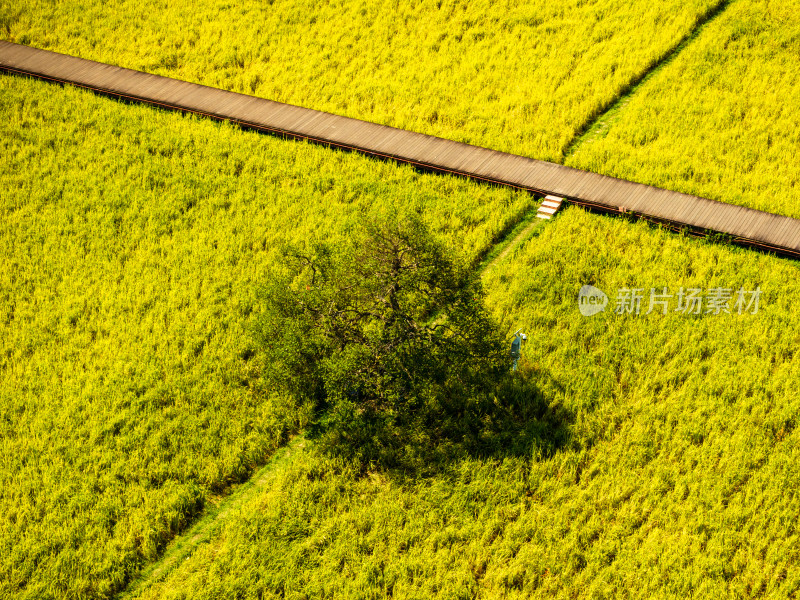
x=210 y=525
x=746 y=226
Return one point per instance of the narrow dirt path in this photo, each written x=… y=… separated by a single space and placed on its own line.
x=606 y=116
x=514 y=242
x=211 y=522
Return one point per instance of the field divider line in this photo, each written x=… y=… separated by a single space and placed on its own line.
x=210 y=523
x=523 y=230
x=600 y=121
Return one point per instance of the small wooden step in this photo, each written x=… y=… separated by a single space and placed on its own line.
x=549 y=207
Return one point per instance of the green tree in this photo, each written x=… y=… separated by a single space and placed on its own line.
x=388 y=336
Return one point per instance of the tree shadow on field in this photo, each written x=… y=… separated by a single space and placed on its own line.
x=398 y=354
x=513 y=419
x=520 y=421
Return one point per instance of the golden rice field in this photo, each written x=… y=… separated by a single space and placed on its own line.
x=133 y=243
x=662 y=462
x=665 y=463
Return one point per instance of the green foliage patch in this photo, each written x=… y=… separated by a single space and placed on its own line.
x=389 y=337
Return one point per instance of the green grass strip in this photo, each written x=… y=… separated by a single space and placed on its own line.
x=210 y=524
x=600 y=123
x=522 y=231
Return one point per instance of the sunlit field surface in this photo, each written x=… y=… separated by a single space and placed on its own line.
x=722 y=120
x=133 y=242
x=665 y=463
x=509 y=76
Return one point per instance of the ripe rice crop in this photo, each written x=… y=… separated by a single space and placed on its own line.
x=664 y=465
x=133 y=241
x=664 y=461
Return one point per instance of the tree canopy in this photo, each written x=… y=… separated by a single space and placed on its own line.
x=388 y=336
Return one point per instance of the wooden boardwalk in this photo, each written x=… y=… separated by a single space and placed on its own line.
x=745 y=225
